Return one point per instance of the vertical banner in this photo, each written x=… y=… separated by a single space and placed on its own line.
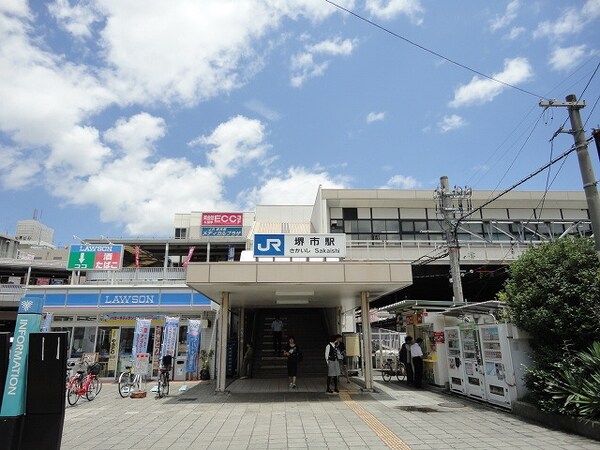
x=113 y=352
x=193 y=344
x=137 y=256
x=29 y=318
x=140 y=336
x=189 y=256
x=169 y=336
x=230 y=253
x=156 y=348
x=47 y=323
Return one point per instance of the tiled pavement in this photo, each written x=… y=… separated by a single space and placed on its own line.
x=269 y=416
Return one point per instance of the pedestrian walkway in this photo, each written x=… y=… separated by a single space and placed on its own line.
x=394 y=417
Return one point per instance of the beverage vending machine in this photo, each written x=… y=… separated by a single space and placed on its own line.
x=473 y=365
x=456 y=373
x=505 y=357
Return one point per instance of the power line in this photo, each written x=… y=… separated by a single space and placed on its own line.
x=439 y=55
x=527 y=178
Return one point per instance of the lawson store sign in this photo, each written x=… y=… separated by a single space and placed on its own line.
x=121 y=300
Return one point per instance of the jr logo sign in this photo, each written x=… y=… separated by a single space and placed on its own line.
x=268 y=245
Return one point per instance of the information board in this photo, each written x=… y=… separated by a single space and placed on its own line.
x=95 y=257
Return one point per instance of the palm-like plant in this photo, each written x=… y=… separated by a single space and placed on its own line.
x=581 y=391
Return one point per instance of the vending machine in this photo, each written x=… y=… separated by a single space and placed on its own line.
x=505 y=357
x=456 y=373
x=473 y=365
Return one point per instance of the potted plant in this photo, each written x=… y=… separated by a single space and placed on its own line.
x=205 y=360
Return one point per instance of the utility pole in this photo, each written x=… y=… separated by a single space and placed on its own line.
x=450 y=203
x=585 y=163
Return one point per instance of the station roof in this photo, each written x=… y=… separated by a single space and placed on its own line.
x=298 y=284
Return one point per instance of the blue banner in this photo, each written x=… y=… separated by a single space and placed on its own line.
x=47 y=323
x=29 y=320
x=193 y=344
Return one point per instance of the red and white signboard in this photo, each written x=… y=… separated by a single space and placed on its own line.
x=222 y=219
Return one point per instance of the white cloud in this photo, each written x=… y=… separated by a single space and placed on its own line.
x=564 y=58
x=135 y=136
x=304 y=66
x=235 y=143
x=297 y=186
x=401 y=182
x=390 y=9
x=481 y=90
x=507 y=18
x=515 y=32
x=77 y=19
x=147 y=56
x=260 y=108
x=449 y=123
x=571 y=21
x=375 y=117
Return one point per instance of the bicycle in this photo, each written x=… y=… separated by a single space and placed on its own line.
x=398 y=369
x=90 y=386
x=163 y=382
x=128 y=382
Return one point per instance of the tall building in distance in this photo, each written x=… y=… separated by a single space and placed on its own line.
x=34 y=234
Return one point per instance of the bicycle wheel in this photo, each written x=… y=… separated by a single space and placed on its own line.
x=161 y=393
x=98 y=385
x=401 y=372
x=72 y=395
x=124 y=384
x=92 y=389
x=386 y=372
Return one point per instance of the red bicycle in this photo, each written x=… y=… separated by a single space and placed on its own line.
x=90 y=385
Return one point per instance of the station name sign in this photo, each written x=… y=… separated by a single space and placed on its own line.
x=300 y=245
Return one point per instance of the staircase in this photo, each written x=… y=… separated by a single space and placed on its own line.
x=307 y=326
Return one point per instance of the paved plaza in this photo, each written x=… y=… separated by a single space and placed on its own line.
x=266 y=414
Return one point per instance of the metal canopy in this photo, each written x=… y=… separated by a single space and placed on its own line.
x=297 y=284
x=490 y=307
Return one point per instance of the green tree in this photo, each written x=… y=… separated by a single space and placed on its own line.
x=553 y=292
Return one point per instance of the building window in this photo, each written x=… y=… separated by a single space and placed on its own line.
x=180 y=233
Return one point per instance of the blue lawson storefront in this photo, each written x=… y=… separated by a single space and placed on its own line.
x=101 y=320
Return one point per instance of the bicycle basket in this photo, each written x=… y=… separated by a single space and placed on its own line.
x=94 y=369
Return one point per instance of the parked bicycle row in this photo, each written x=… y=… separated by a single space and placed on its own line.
x=85 y=382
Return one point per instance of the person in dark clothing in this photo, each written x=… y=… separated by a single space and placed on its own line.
x=277 y=328
x=406 y=358
x=417 y=360
x=291 y=351
x=333 y=365
x=246 y=369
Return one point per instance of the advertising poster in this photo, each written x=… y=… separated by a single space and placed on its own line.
x=193 y=344
x=141 y=363
x=140 y=336
x=169 y=336
x=47 y=323
x=113 y=353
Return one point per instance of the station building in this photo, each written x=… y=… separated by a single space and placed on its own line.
x=394 y=250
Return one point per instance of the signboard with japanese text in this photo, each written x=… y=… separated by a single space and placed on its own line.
x=141 y=363
x=113 y=353
x=95 y=257
x=221 y=231
x=222 y=219
x=300 y=245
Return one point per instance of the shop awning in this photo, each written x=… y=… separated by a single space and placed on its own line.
x=492 y=307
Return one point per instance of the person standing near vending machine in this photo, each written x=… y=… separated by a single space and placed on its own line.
x=406 y=359
x=417 y=362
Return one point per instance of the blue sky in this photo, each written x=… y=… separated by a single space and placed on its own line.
x=117 y=115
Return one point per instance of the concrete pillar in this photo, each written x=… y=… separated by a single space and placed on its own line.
x=241 y=341
x=223 y=332
x=367 y=348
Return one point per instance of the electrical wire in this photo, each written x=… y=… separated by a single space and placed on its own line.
x=439 y=55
